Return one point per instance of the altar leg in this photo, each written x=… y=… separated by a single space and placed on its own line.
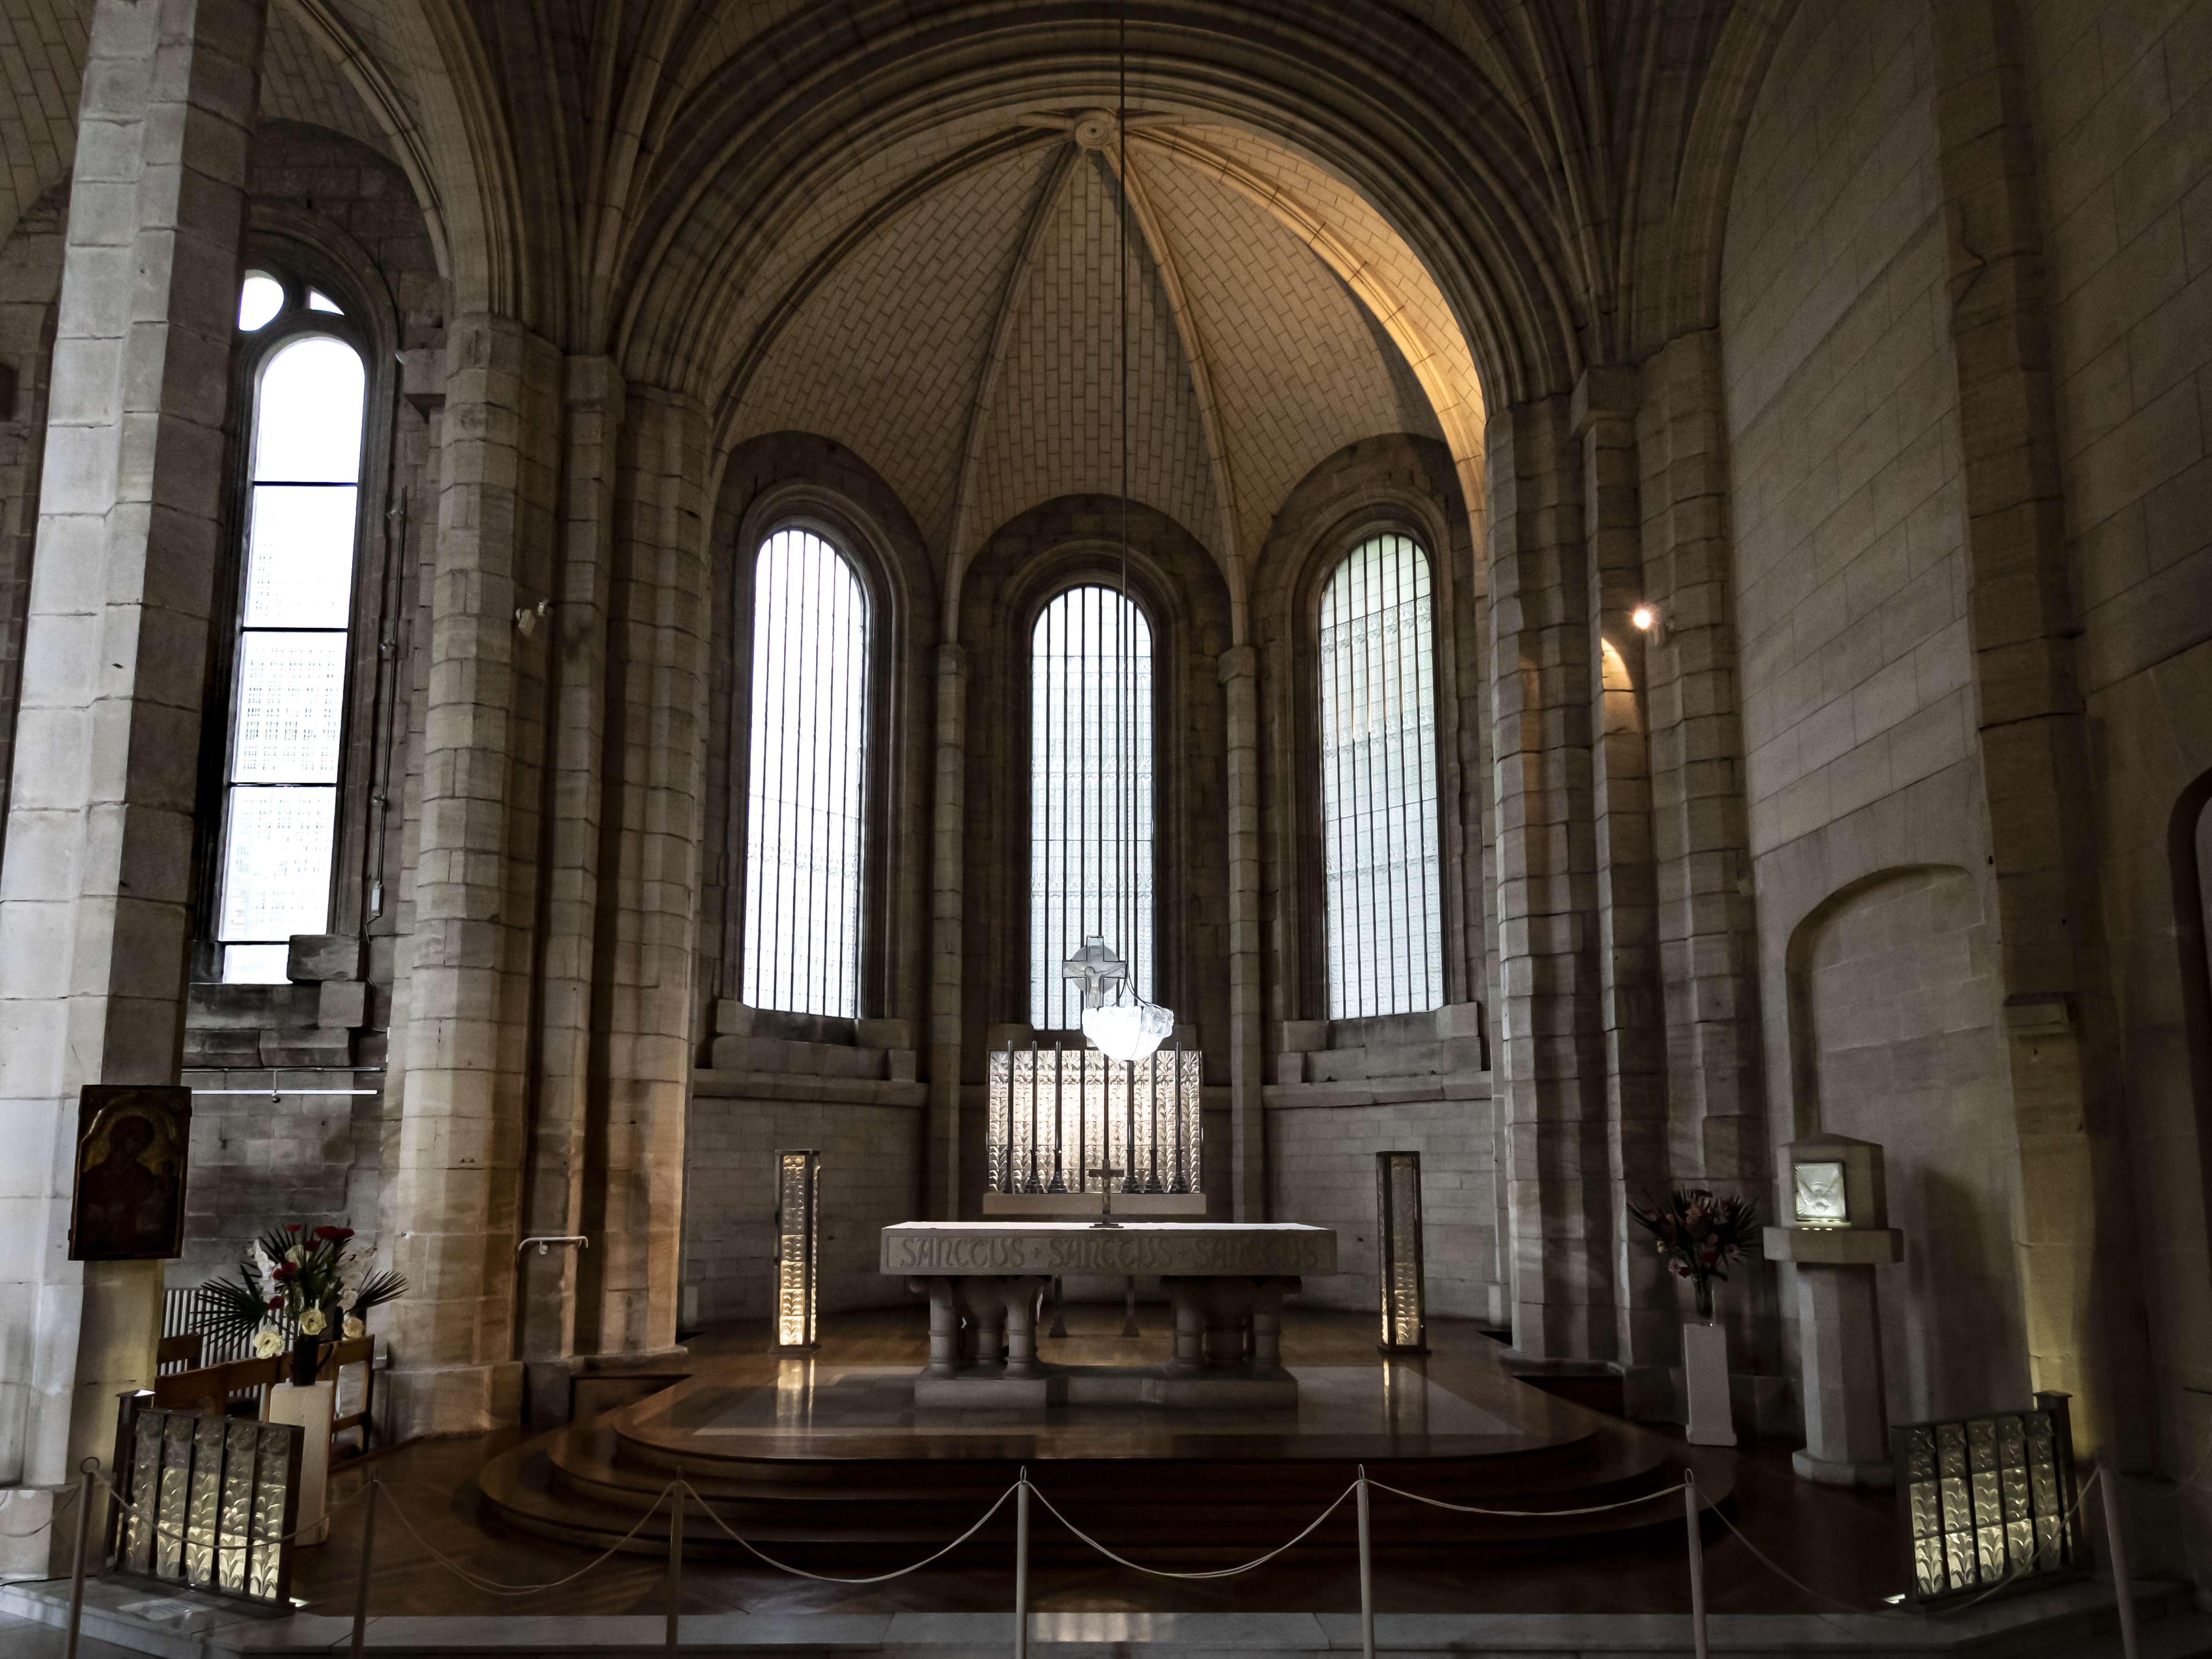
x=1188 y=1296
x=1268 y=1324
x=1020 y=1299
x=983 y=1299
x=944 y=1326
x=1228 y=1301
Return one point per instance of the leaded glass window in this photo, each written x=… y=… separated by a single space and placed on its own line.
x=1091 y=794
x=280 y=813
x=803 y=800
x=1378 y=775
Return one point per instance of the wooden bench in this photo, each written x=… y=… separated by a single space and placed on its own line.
x=208 y=1388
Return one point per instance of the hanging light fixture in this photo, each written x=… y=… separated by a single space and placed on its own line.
x=1115 y=1016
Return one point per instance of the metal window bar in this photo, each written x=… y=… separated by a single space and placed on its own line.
x=1092 y=866
x=1381 y=873
x=1987 y=1501
x=806 y=777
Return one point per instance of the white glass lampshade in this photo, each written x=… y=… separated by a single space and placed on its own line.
x=1128 y=1032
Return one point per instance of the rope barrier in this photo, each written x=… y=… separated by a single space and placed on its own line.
x=492 y=1587
x=824 y=1578
x=1528 y=1515
x=1218 y=1572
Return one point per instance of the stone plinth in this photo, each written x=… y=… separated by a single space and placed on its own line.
x=985 y=1278
x=1840 y=1334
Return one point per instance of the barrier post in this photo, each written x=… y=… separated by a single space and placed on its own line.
x=675 y=1556
x=85 y=1473
x=1022 y=1568
x=2116 y=1536
x=1697 y=1563
x=361 y=1585
x=1366 y=1574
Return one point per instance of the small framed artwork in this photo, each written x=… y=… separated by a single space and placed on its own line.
x=133 y=1142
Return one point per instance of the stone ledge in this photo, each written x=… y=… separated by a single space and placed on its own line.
x=714 y=1083
x=1454 y=1087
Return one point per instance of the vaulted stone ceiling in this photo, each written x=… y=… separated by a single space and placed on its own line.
x=968 y=347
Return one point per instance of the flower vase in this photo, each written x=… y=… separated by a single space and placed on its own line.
x=1706 y=1375
x=310 y=1408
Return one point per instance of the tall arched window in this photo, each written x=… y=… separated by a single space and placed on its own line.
x=279 y=798
x=803 y=800
x=1091 y=794
x=1379 y=773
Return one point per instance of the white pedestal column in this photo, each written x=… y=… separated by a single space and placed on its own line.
x=1839 y=1350
x=310 y=1408
x=1705 y=1384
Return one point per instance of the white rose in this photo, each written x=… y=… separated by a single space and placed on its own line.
x=311 y=1322
x=267 y=1345
x=354 y=1327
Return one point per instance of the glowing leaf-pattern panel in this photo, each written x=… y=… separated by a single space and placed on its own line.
x=1056 y=1113
x=1987 y=1500
x=205 y=1503
x=1399 y=1269
x=797 y=1239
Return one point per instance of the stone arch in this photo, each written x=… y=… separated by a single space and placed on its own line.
x=1471 y=210
x=1895 y=1031
x=797 y=479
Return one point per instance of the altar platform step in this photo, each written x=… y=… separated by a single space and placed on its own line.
x=1166 y=1486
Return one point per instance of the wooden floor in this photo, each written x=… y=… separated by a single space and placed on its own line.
x=1841 y=1543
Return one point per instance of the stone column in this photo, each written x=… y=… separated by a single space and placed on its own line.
x=454 y=1199
x=1550 y=1064
x=649 y=895
x=941 y=1152
x=1708 y=941
x=1248 y=1129
x=553 y=1198
x=94 y=923
x=1620 y=787
x=2079 y=1274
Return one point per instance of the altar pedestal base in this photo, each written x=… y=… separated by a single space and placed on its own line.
x=1839 y=1350
x=1705 y=1383
x=310 y=1409
x=978 y=1389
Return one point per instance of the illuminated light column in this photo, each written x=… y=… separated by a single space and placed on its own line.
x=1397 y=1253
x=797 y=1234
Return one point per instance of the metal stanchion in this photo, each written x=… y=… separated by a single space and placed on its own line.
x=1697 y=1563
x=2115 y=1537
x=1022 y=1569
x=361 y=1586
x=675 y=1556
x=85 y=1472
x=1366 y=1574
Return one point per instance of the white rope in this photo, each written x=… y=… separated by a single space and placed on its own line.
x=1526 y=1515
x=824 y=1578
x=1218 y=1572
x=52 y=1516
x=491 y=1587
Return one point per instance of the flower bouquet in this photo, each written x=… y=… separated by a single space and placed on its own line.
x=300 y=1289
x=1700 y=1235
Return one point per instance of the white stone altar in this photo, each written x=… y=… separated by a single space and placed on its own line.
x=985 y=1278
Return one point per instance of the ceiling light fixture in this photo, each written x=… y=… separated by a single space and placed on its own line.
x=1125 y=1026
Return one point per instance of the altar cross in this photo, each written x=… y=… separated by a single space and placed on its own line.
x=1106 y=1174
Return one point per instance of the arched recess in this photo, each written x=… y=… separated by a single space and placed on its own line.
x=796 y=479
x=1895 y=1035
x=1028 y=561
x=1396 y=483
x=2189 y=859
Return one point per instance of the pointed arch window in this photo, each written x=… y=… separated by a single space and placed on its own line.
x=290 y=644
x=1378 y=773
x=1091 y=794
x=807 y=768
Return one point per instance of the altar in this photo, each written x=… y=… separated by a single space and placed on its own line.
x=1227 y=1282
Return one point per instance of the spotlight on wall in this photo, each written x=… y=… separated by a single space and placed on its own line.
x=798 y=1235
x=1645 y=617
x=1397 y=1253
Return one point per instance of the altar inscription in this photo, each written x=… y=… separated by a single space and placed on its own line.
x=998 y=1248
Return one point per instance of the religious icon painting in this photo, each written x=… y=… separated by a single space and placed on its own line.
x=132 y=1144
